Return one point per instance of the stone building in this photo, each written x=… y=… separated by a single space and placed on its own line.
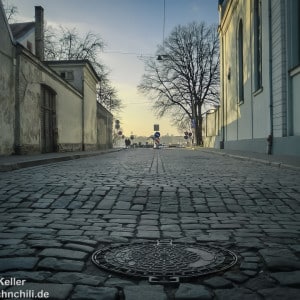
x=46 y=106
x=260 y=76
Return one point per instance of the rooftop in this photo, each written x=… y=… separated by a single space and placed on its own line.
x=19 y=29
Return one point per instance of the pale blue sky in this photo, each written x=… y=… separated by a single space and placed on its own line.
x=129 y=28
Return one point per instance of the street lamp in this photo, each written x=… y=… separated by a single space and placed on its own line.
x=162 y=57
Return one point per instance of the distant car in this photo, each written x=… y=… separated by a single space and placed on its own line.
x=173 y=145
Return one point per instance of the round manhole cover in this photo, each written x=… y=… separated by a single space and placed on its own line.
x=164 y=259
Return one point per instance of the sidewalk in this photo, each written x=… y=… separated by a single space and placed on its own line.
x=282 y=161
x=14 y=162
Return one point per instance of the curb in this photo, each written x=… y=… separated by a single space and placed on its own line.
x=6 y=167
x=258 y=160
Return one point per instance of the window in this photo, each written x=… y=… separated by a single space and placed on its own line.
x=29 y=46
x=240 y=63
x=257 y=45
x=294 y=29
x=68 y=75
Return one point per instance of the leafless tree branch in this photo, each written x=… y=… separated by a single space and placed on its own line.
x=67 y=44
x=187 y=77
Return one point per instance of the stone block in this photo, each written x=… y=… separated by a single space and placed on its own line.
x=56 y=252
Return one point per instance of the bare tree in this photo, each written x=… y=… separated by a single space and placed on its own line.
x=67 y=44
x=185 y=77
x=107 y=94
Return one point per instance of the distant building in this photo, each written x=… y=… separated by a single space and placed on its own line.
x=260 y=77
x=46 y=106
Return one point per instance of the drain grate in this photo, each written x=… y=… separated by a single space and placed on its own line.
x=164 y=260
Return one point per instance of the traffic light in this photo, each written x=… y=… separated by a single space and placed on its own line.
x=117 y=124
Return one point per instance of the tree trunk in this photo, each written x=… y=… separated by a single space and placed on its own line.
x=198 y=125
x=198 y=132
x=200 y=138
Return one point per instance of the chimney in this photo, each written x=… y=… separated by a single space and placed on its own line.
x=39 y=32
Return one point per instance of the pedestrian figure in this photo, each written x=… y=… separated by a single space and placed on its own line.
x=127 y=143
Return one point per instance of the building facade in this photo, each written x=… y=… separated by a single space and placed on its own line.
x=260 y=77
x=46 y=106
x=7 y=84
x=80 y=75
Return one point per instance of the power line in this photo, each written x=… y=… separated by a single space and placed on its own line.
x=127 y=53
x=142 y=102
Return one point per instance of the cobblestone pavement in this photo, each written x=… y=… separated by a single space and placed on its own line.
x=53 y=217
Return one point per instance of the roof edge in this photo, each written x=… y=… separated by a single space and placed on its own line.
x=2 y=11
x=74 y=62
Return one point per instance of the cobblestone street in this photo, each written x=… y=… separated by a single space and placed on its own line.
x=53 y=217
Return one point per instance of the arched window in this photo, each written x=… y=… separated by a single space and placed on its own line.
x=240 y=63
x=257 y=45
x=294 y=33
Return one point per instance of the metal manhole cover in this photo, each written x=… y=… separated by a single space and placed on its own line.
x=164 y=260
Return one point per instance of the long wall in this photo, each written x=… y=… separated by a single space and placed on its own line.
x=272 y=108
x=33 y=77
x=72 y=111
x=7 y=83
x=42 y=112
x=211 y=129
x=104 y=128
x=247 y=119
x=68 y=114
x=90 y=111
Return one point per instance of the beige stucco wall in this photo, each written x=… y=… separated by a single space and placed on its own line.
x=90 y=110
x=211 y=129
x=104 y=128
x=70 y=67
x=68 y=114
x=7 y=102
x=229 y=98
x=250 y=119
x=84 y=80
x=296 y=101
x=23 y=79
x=274 y=108
x=7 y=97
x=29 y=99
x=261 y=98
x=34 y=75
